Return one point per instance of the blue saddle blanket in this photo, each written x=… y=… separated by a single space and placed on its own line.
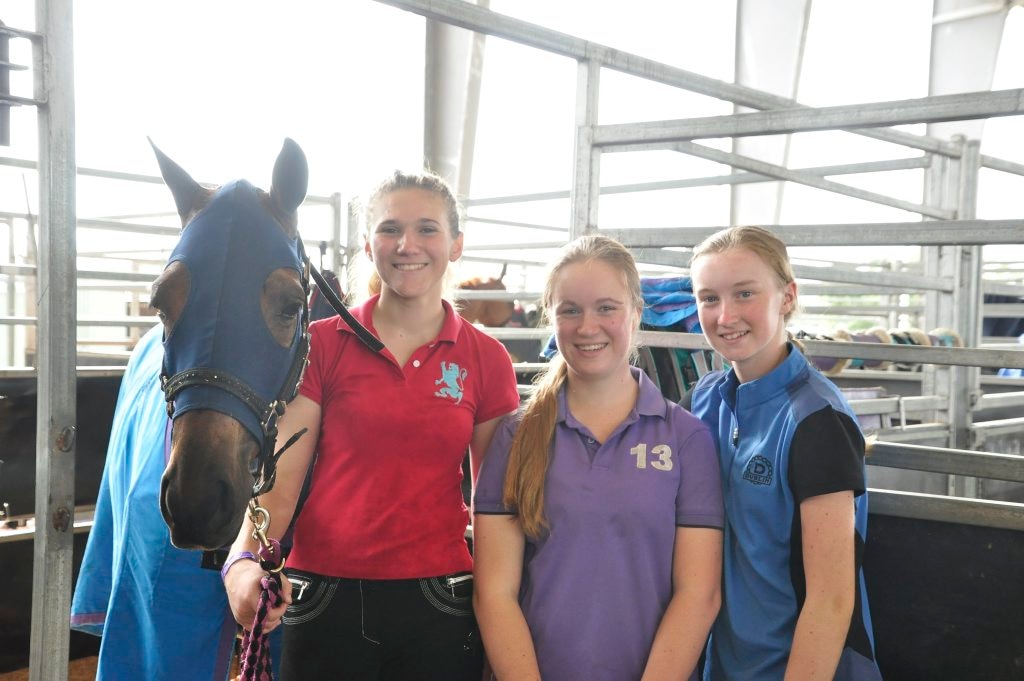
x=160 y=614
x=669 y=301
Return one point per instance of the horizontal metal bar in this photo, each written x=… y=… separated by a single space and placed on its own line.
x=714 y=180
x=842 y=290
x=82 y=372
x=1002 y=164
x=466 y=294
x=503 y=333
x=896 y=280
x=941 y=460
x=671 y=339
x=998 y=427
x=529 y=367
x=931 y=233
x=471 y=17
x=916 y=353
x=30 y=271
x=511 y=223
x=514 y=247
x=23 y=532
x=134 y=177
x=918 y=432
x=12 y=67
x=860 y=311
x=891 y=405
x=1006 y=289
x=664 y=258
x=108 y=321
x=1001 y=400
x=934 y=109
x=841 y=349
x=133 y=227
x=14 y=100
x=807 y=179
x=978 y=512
x=1004 y=310
x=21 y=33
x=503 y=261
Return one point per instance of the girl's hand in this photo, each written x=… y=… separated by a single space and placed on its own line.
x=242 y=584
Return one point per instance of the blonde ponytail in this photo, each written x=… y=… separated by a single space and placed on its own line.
x=531 y=450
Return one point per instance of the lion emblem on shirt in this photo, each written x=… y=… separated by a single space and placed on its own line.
x=452 y=376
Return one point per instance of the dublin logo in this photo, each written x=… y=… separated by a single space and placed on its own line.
x=758 y=471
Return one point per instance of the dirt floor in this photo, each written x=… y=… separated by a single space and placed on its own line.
x=79 y=670
x=84 y=669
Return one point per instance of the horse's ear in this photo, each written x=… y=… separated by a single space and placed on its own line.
x=291 y=176
x=189 y=195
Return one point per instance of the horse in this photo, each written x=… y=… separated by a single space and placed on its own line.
x=179 y=470
x=486 y=312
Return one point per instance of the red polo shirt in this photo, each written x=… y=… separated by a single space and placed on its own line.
x=386 y=498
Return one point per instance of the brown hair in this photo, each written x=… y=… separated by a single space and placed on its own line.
x=427 y=181
x=531 y=448
x=761 y=242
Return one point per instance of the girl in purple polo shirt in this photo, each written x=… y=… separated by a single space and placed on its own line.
x=598 y=509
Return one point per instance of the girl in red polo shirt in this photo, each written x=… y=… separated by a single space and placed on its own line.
x=379 y=578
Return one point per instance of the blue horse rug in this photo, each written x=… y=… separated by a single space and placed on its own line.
x=160 y=614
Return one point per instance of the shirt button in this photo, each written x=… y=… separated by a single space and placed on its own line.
x=416 y=363
x=590 y=440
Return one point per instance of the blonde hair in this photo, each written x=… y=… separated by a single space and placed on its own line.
x=531 y=447
x=759 y=241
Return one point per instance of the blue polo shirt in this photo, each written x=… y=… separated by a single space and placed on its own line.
x=782 y=438
x=596 y=583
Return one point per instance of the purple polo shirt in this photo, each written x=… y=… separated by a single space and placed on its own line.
x=596 y=583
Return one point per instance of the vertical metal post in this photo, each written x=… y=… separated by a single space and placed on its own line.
x=586 y=186
x=12 y=293
x=336 y=250
x=5 y=89
x=967 y=314
x=55 y=362
x=941 y=191
x=352 y=250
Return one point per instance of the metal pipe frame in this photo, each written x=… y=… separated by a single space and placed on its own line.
x=141 y=322
x=514 y=247
x=810 y=180
x=946 y=232
x=53 y=66
x=934 y=109
x=1007 y=467
x=473 y=18
x=1001 y=400
x=513 y=223
x=893 y=405
x=980 y=512
x=912 y=163
x=644 y=253
x=130 y=177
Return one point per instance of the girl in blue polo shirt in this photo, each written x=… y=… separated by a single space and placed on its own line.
x=598 y=510
x=792 y=461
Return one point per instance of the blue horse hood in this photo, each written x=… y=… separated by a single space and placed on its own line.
x=229 y=249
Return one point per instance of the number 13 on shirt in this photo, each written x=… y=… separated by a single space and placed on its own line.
x=663 y=462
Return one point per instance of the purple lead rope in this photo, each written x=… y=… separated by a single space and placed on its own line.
x=255 y=654
x=256 y=663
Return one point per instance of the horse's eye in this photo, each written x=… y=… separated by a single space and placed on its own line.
x=291 y=310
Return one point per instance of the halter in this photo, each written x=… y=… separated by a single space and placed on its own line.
x=220 y=388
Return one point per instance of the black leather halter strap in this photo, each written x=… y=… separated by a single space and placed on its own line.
x=264 y=466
